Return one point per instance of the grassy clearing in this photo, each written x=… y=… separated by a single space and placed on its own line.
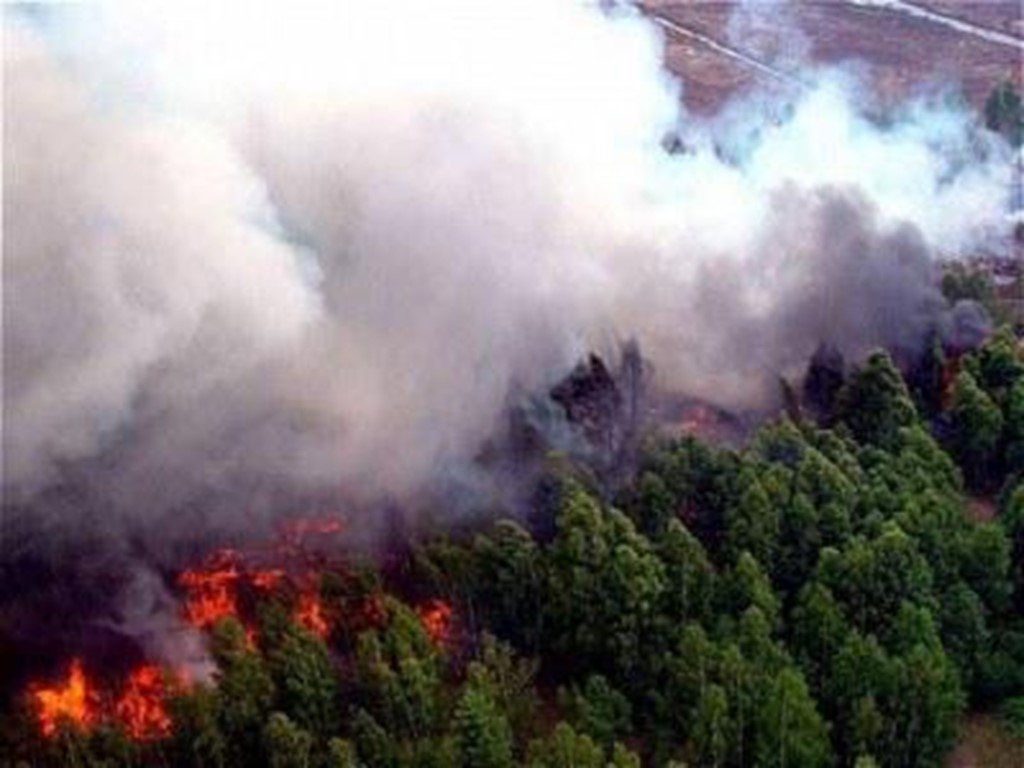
x=985 y=742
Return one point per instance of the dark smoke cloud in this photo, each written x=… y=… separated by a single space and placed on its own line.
x=254 y=260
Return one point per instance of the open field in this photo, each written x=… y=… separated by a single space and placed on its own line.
x=1003 y=15
x=900 y=53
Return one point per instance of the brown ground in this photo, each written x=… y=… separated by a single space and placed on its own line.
x=1001 y=15
x=981 y=510
x=902 y=55
x=985 y=743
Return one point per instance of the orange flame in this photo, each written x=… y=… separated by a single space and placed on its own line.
x=309 y=614
x=436 y=618
x=141 y=705
x=266 y=579
x=251 y=636
x=210 y=590
x=72 y=702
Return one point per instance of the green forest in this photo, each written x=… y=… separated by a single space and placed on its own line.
x=833 y=594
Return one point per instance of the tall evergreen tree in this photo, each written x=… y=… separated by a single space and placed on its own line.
x=875 y=403
x=287 y=745
x=483 y=738
x=976 y=427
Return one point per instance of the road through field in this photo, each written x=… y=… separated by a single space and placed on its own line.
x=912 y=9
x=725 y=50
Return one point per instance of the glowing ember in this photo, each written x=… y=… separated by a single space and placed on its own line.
x=699 y=420
x=309 y=614
x=436 y=618
x=141 y=705
x=73 y=702
x=372 y=613
x=947 y=377
x=297 y=529
x=210 y=591
x=267 y=579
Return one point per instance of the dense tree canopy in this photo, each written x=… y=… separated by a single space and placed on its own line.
x=822 y=597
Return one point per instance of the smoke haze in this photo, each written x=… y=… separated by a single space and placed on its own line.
x=317 y=247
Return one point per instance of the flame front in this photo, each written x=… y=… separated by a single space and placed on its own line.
x=210 y=590
x=309 y=614
x=141 y=707
x=266 y=579
x=72 y=702
x=436 y=618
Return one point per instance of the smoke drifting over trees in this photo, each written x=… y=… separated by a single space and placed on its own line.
x=318 y=247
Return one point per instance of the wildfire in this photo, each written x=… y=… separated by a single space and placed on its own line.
x=309 y=614
x=221 y=586
x=211 y=590
x=266 y=579
x=436 y=618
x=139 y=708
x=73 y=702
x=141 y=705
x=699 y=420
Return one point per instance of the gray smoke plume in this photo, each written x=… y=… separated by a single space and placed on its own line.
x=314 y=249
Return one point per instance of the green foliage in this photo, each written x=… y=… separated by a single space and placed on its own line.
x=701 y=482
x=483 y=738
x=926 y=380
x=997 y=366
x=747 y=585
x=374 y=746
x=622 y=757
x=873 y=577
x=198 y=741
x=306 y=683
x=341 y=754
x=604 y=585
x=245 y=690
x=752 y=523
x=654 y=505
x=598 y=710
x=511 y=576
x=976 y=427
x=565 y=748
x=287 y=745
x=963 y=282
x=509 y=681
x=817 y=629
x=875 y=403
x=790 y=730
x=1004 y=113
x=1011 y=520
x=965 y=633
x=400 y=676
x=822 y=597
x=1012 y=712
x=712 y=727
x=1013 y=431
x=689 y=575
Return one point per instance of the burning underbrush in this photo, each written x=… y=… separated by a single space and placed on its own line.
x=295 y=583
x=80 y=702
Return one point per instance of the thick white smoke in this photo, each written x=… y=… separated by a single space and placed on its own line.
x=319 y=244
